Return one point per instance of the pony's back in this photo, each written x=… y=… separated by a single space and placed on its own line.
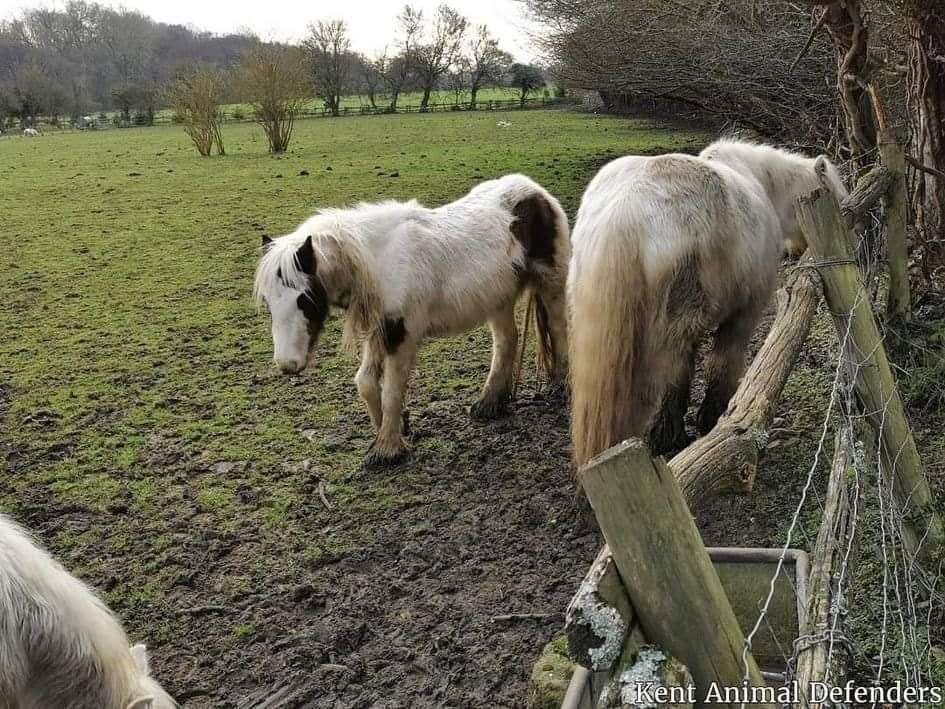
x=60 y=646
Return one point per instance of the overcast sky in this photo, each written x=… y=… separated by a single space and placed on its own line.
x=371 y=21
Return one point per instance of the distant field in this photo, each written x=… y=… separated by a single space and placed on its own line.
x=148 y=441
x=353 y=103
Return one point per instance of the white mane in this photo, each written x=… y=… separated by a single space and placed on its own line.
x=781 y=172
x=58 y=641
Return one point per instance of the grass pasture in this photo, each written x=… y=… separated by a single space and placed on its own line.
x=221 y=508
x=149 y=443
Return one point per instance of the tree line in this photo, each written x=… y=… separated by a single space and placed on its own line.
x=86 y=58
x=444 y=53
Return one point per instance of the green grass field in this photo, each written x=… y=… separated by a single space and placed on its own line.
x=140 y=413
x=147 y=439
x=130 y=262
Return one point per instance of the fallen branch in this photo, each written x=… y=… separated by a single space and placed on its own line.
x=925 y=168
x=321 y=494
x=203 y=610
x=523 y=616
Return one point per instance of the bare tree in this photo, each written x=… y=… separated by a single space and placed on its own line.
x=457 y=79
x=488 y=64
x=436 y=57
x=735 y=63
x=372 y=75
x=329 y=49
x=398 y=70
x=526 y=78
x=195 y=97
x=272 y=78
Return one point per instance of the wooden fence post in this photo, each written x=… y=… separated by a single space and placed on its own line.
x=675 y=590
x=831 y=243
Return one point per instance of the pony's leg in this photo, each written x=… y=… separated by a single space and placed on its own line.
x=724 y=366
x=389 y=446
x=668 y=433
x=368 y=382
x=498 y=387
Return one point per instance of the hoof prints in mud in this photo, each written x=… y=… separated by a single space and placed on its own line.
x=408 y=619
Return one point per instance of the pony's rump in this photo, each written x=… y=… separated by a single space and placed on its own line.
x=541 y=227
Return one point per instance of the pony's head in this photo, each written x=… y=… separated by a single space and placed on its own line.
x=784 y=175
x=288 y=284
x=149 y=694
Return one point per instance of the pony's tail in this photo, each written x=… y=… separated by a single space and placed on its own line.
x=547 y=299
x=545 y=353
x=605 y=306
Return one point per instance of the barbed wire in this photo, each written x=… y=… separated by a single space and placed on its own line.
x=904 y=635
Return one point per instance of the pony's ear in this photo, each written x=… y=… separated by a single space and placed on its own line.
x=266 y=242
x=139 y=653
x=306 y=256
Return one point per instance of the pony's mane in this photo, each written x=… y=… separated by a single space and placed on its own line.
x=751 y=150
x=340 y=253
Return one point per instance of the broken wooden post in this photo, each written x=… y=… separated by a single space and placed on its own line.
x=647 y=677
x=831 y=244
x=725 y=460
x=599 y=616
x=820 y=651
x=673 y=587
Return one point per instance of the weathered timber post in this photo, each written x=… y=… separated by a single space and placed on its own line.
x=833 y=552
x=675 y=590
x=898 y=305
x=724 y=460
x=831 y=244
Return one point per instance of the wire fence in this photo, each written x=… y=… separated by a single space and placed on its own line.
x=238 y=115
x=898 y=614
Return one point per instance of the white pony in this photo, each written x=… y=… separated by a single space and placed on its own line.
x=60 y=647
x=30 y=133
x=404 y=272
x=666 y=249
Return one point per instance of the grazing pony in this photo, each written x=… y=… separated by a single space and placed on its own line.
x=404 y=272
x=30 y=133
x=667 y=249
x=59 y=645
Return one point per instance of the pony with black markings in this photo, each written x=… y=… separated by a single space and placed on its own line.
x=667 y=249
x=403 y=272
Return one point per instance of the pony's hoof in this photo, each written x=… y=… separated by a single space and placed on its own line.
x=380 y=459
x=489 y=409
